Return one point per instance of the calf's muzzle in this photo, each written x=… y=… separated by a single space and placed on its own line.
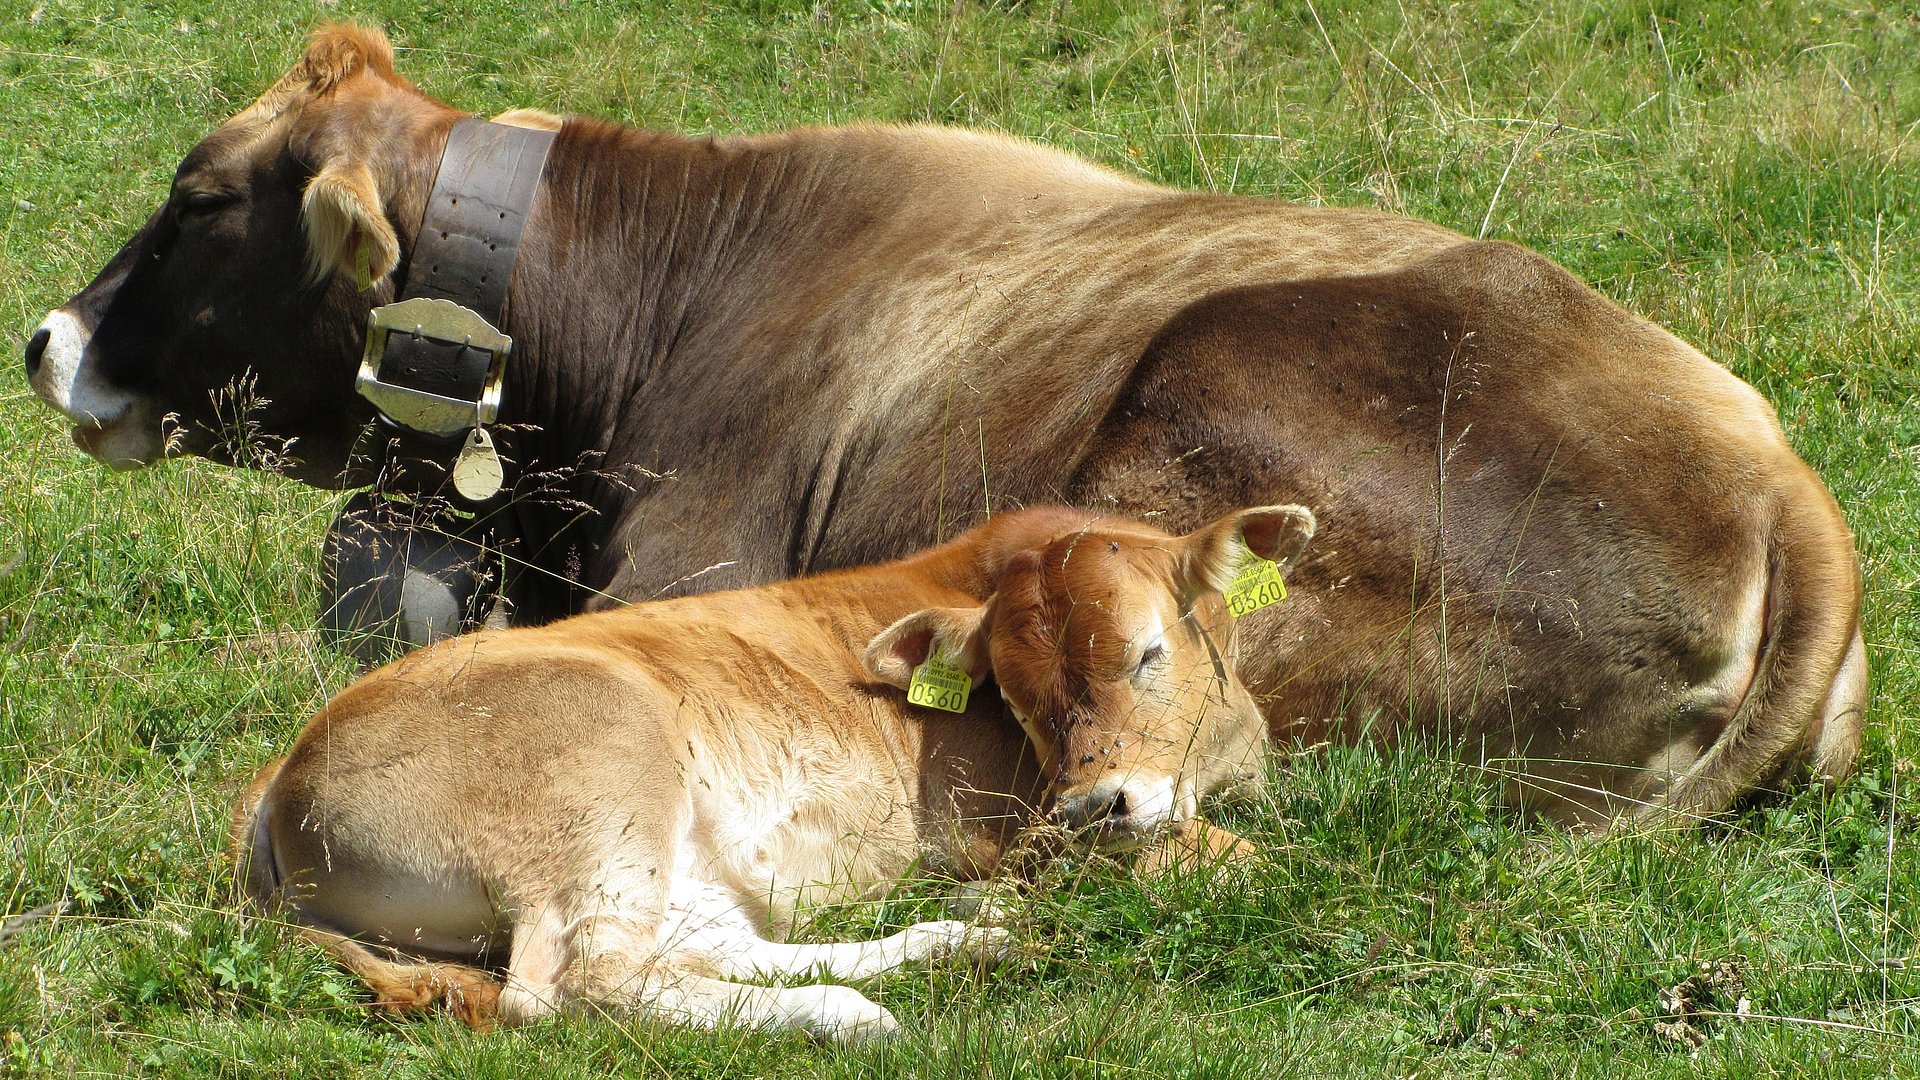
x=1118 y=810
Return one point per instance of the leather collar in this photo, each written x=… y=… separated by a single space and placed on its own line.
x=436 y=357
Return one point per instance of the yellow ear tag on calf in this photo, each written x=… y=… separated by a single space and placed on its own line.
x=939 y=685
x=1255 y=585
x=476 y=472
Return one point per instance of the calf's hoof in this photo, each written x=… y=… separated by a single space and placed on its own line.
x=989 y=901
x=952 y=939
x=847 y=1017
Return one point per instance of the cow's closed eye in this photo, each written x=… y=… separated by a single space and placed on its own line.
x=194 y=203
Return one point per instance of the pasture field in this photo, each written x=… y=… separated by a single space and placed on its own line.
x=1747 y=174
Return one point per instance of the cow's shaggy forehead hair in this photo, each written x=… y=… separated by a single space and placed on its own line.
x=336 y=53
x=1065 y=617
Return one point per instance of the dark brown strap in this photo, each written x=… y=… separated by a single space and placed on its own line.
x=465 y=250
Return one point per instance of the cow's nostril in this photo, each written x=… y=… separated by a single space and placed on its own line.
x=36 y=349
x=1081 y=811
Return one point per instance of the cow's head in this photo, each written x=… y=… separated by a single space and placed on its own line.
x=229 y=326
x=1112 y=646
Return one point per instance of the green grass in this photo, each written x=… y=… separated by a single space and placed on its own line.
x=1748 y=175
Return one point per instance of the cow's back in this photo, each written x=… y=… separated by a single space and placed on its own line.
x=925 y=320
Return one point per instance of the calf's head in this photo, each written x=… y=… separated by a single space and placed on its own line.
x=229 y=325
x=1112 y=646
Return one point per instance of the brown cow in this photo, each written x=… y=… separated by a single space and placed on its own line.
x=1556 y=534
x=633 y=798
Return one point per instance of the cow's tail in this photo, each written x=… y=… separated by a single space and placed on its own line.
x=399 y=983
x=1803 y=710
x=255 y=876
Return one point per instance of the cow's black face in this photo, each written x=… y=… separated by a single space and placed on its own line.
x=207 y=335
x=222 y=328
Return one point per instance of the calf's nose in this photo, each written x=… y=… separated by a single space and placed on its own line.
x=1078 y=811
x=37 y=348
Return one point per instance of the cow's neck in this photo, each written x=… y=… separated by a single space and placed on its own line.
x=632 y=257
x=633 y=249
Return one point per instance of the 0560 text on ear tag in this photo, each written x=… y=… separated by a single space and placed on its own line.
x=939 y=685
x=1257 y=584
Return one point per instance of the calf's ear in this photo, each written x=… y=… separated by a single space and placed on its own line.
x=955 y=634
x=347 y=228
x=1211 y=554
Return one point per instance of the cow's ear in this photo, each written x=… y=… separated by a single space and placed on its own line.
x=956 y=634
x=1211 y=554
x=347 y=228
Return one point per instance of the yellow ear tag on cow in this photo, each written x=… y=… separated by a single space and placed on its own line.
x=476 y=472
x=939 y=685
x=363 y=267
x=1256 y=585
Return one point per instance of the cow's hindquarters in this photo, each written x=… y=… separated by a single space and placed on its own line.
x=1557 y=538
x=1803 y=708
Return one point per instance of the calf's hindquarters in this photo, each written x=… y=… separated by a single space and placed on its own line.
x=497 y=840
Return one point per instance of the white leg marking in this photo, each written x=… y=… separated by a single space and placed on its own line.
x=703 y=921
x=610 y=959
x=539 y=957
x=619 y=965
x=854 y=960
x=839 y=1013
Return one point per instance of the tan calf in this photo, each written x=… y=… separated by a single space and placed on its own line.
x=628 y=804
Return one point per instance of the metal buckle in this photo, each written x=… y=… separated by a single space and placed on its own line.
x=448 y=323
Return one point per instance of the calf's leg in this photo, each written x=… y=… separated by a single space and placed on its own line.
x=1193 y=845
x=705 y=922
x=405 y=986
x=619 y=964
